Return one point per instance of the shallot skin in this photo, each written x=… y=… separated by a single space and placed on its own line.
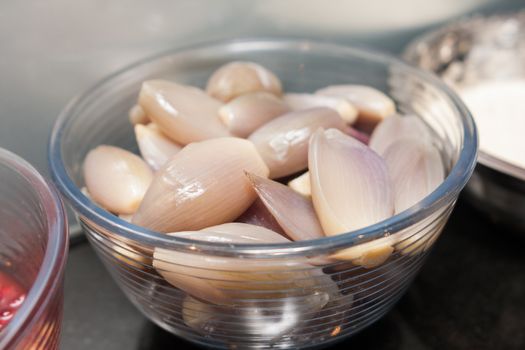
x=373 y=105
x=184 y=113
x=238 y=78
x=351 y=187
x=246 y=113
x=294 y=212
x=283 y=142
x=154 y=146
x=230 y=281
x=116 y=179
x=202 y=185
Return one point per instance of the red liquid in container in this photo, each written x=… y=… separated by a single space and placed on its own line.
x=12 y=295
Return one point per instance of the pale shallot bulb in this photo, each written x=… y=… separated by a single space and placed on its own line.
x=301 y=184
x=202 y=185
x=230 y=280
x=155 y=147
x=396 y=128
x=238 y=78
x=283 y=142
x=184 y=113
x=416 y=170
x=244 y=114
x=294 y=212
x=351 y=189
x=116 y=179
x=372 y=104
x=298 y=102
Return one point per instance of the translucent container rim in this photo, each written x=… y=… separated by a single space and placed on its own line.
x=484 y=158
x=50 y=273
x=445 y=193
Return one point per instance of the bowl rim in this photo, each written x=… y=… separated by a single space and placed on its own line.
x=411 y=51
x=48 y=280
x=445 y=193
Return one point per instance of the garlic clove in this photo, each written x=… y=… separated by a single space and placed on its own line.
x=301 y=184
x=372 y=104
x=184 y=113
x=137 y=115
x=231 y=280
x=202 y=185
x=395 y=128
x=416 y=170
x=154 y=146
x=244 y=114
x=294 y=212
x=351 y=187
x=298 y=102
x=238 y=78
x=283 y=142
x=258 y=214
x=116 y=179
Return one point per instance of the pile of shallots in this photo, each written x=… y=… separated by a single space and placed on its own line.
x=244 y=163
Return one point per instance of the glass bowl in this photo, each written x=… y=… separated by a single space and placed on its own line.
x=33 y=251
x=497 y=186
x=277 y=295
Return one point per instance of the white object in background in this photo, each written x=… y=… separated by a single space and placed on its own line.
x=354 y=16
x=499 y=110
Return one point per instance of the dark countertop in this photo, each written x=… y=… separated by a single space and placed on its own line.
x=470 y=294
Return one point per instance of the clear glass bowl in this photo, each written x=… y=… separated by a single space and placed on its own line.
x=279 y=295
x=33 y=250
